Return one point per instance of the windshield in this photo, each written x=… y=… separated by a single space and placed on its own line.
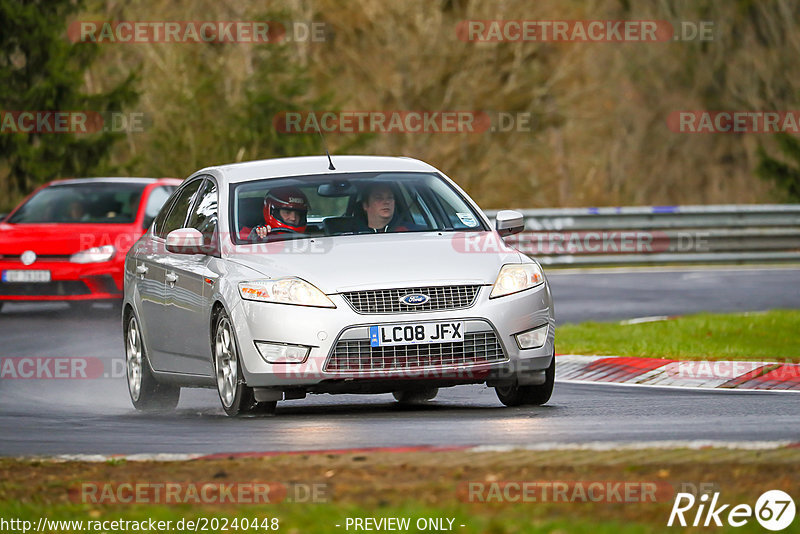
x=348 y=204
x=82 y=203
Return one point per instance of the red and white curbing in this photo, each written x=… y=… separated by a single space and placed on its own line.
x=758 y=376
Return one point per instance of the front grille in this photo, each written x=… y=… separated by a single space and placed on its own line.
x=477 y=348
x=388 y=300
x=58 y=288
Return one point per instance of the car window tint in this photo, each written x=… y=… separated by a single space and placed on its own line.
x=158 y=222
x=459 y=214
x=85 y=202
x=179 y=209
x=324 y=207
x=422 y=202
x=417 y=210
x=155 y=201
x=204 y=214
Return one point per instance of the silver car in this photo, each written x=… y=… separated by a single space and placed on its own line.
x=216 y=296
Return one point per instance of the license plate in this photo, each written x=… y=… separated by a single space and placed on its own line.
x=416 y=333
x=26 y=276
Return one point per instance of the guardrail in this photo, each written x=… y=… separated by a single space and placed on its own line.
x=661 y=234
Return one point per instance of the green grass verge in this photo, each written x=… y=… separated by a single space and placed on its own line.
x=402 y=485
x=736 y=336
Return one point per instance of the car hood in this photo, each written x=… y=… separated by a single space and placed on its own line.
x=64 y=239
x=345 y=263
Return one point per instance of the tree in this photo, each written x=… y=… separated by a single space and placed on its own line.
x=42 y=71
x=785 y=175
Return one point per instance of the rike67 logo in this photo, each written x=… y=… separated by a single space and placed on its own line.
x=774 y=510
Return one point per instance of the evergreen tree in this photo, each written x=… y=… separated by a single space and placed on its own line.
x=41 y=70
x=785 y=175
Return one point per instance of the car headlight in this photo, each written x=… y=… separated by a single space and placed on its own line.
x=94 y=255
x=516 y=277
x=285 y=291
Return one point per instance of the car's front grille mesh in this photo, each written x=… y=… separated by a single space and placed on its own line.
x=388 y=300
x=354 y=356
x=56 y=288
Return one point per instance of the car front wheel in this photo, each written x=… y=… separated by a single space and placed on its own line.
x=516 y=395
x=147 y=394
x=236 y=397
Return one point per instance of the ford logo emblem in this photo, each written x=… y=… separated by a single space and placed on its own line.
x=414 y=299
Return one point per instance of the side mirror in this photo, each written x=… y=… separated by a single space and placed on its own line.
x=186 y=241
x=509 y=222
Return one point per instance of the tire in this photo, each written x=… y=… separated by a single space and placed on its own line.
x=147 y=394
x=415 y=396
x=515 y=395
x=236 y=397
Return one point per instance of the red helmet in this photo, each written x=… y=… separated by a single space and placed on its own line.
x=285 y=198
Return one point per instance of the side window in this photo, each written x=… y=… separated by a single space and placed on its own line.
x=158 y=222
x=155 y=201
x=178 y=210
x=204 y=214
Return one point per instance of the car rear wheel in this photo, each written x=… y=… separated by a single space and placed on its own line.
x=237 y=398
x=414 y=396
x=516 y=395
x=147 y=394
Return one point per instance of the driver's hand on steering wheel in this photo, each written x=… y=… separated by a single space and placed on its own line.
x=262 y=231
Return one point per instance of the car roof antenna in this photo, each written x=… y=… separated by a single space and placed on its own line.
x=325 y=146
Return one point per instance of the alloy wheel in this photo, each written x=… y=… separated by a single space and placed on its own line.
x=133 y=358
x=227 y=362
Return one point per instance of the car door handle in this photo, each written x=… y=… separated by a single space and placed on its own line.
x=141 y=270
x=172 y=278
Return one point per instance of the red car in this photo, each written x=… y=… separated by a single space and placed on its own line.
x=67 y=241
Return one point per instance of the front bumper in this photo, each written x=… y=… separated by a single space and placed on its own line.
x=322 y=328
x=68 y=282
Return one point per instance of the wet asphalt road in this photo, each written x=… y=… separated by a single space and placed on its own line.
x=95 y=416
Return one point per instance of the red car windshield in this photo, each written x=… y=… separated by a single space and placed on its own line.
x=89 y=203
